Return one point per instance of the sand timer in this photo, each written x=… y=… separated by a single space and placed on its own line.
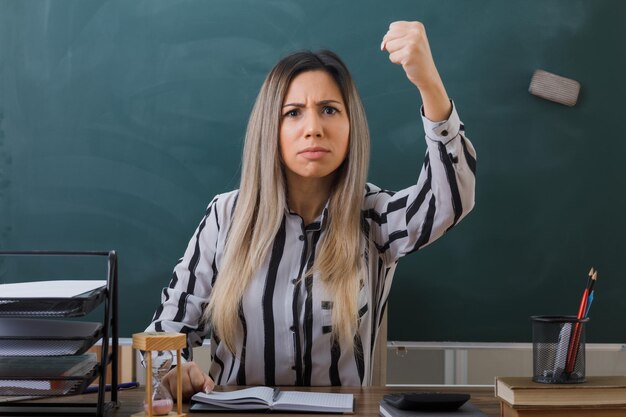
x=158 y=359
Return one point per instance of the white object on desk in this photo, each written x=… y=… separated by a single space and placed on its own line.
x=50 y=289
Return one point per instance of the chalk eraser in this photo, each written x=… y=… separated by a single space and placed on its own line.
x=555 y=88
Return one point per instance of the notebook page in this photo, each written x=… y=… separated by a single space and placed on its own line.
x=314 y=401
x=254 y=395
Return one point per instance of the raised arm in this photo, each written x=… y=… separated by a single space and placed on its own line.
x=403 y=222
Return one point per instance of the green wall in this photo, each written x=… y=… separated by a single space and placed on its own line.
x=120 y=120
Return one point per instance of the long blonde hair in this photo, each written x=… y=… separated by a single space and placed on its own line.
x=261 y=204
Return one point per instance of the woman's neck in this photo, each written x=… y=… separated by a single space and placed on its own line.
x=308 y=196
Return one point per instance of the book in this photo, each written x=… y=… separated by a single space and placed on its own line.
x=596 y=391
x=272 y=399
x=466 y=410
x=507 y=410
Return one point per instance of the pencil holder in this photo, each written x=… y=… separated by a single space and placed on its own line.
x=558 y=349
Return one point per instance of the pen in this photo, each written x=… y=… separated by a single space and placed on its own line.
x=121 y=386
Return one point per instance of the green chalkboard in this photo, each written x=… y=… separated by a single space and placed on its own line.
x=120 y=120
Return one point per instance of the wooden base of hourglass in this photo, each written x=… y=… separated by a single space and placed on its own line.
x=155 y=341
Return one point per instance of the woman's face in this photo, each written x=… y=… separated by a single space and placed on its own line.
x=314 y=129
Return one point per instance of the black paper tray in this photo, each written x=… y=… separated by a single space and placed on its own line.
x=43 y=375
x=52 y=307
x=42 y=337
x=45 y=387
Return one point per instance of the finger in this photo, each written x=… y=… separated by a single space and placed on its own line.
x=393 y=34
x=399 y=29
x=402 y=25
x=393 y=45
x=209 y=384
x=398 y=57
x=187 y=388
x=399 y=24
x=396 y=30
x=169 y=382
x=390 y=37
x=199 y=380
x=415 y=29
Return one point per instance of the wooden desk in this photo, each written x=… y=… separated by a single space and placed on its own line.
x=367 y=400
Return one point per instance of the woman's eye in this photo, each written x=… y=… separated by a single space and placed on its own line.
x=292 y=113
x=329 y=110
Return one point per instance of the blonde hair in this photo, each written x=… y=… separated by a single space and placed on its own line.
x=261 y=204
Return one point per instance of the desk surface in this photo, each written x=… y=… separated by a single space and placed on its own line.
x=367 y=399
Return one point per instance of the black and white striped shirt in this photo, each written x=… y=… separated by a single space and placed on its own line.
x=284 y=330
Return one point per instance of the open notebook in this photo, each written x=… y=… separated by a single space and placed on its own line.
x=273 y=399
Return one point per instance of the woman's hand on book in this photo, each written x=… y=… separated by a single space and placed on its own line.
x=193 y=380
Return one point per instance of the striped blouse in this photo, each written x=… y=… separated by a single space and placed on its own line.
x=284 y=330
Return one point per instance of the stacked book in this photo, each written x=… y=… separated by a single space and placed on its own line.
x=599 y=396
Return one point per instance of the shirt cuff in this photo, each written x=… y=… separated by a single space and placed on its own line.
x=445 y=130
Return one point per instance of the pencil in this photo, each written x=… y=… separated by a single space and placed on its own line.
x=582 y=312
x=594 y=277
x=591 y=271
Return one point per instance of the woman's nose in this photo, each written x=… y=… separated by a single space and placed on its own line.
x=313 y=126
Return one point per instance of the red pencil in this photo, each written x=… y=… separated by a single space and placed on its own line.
x=573 y=345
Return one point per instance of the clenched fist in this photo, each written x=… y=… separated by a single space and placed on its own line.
x=408 y=46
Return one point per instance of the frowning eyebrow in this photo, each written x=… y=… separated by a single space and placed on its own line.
x=319 y=103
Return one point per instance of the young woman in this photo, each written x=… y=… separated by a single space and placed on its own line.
x=291 y=272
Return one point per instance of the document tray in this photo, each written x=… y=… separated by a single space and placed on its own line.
x=67 y=385
x=42 y=337
x=76 y=306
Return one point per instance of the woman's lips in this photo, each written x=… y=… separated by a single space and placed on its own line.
x=313 y=153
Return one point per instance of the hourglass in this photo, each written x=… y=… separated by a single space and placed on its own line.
x=158 y=357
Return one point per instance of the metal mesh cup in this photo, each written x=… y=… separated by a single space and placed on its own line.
x=558 y=349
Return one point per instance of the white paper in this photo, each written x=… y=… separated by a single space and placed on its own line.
x=49 y=289
x=297 y=400
x=250 y=395
x=259 y=398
